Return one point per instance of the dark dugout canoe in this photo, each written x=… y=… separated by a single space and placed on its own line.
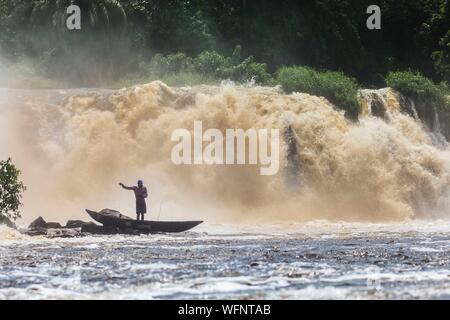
x=113 y=218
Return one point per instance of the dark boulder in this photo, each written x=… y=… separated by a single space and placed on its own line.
x=38 y=223
x=53 y=225
x=76 y=223
x=41 y=223
x=7 y=222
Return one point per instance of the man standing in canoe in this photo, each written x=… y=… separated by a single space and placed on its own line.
x=140 y=192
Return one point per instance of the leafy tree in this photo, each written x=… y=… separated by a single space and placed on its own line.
x=442 y=58
x=11 y=189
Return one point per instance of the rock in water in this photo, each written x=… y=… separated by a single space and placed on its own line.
x=41 y=223
x=38 y=223
x=7 y=222
x=53 y=225
x=77 y=223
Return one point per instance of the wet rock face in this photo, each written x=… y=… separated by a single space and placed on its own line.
x=407 y=106
x=292 y=156
x=7 y=222
x=378 y=107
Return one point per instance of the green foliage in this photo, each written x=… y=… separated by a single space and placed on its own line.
x=442 y=57
x=170 y=64
x=208 y=66
x=11 y=189
x=211 y=62
x=444 y=87
x=117 y=36
x=215 y=64
x=418 y=87
x=430 y=98
x=335 y=86
x=249 y=70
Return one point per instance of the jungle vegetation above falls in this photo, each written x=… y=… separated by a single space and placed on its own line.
x=320 y=47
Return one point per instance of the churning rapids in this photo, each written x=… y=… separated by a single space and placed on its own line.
x=358 y=209
x=313 y=260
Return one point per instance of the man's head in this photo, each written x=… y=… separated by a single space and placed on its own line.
x=140 y=183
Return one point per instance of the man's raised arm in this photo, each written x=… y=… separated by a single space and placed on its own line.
x=125 y=187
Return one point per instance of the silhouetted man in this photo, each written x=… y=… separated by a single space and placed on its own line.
x=140 y=192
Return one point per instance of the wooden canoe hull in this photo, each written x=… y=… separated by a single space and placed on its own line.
x=112 y=218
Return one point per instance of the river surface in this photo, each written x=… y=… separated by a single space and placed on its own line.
x=316 y=260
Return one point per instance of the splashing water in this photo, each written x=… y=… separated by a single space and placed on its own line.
x=74 y=146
